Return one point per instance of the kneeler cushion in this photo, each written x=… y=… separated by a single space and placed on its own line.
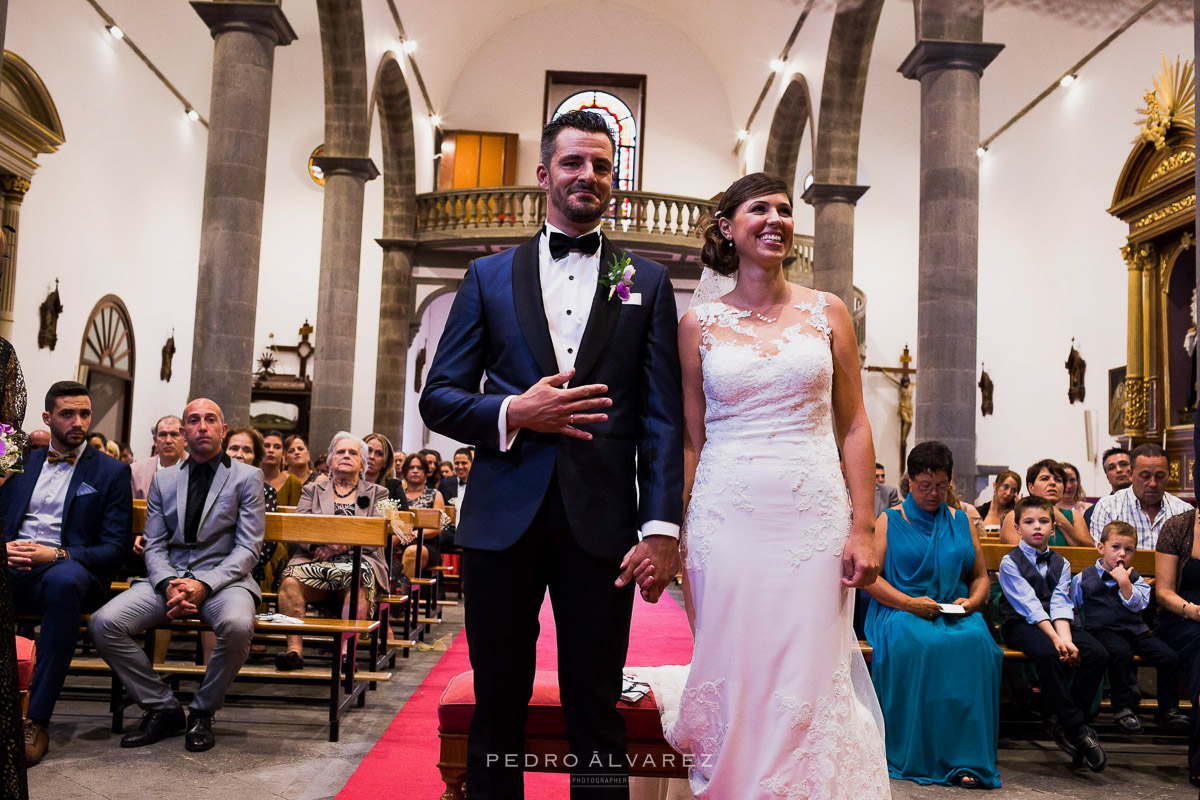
x=25 y=651
x=457 y=704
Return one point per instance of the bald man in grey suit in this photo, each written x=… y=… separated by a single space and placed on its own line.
x=204 y=530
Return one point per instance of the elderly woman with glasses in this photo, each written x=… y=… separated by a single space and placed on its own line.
x=323 y=574
x=935 y=666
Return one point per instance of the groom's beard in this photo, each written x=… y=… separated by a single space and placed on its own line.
x=585 y=207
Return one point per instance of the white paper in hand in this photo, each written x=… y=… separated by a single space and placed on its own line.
x=950 y=608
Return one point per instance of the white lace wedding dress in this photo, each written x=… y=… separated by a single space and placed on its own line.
x=777 y=702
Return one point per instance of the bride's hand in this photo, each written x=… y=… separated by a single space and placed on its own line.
x=652 y=563
x=860 y=565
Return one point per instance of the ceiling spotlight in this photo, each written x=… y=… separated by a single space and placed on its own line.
x=742 y=134
x=116 y=32
x=435 y=120
x=1067 y=80
x=192 y=115
x=777 y=65
x=980 y=151
x=409 y=46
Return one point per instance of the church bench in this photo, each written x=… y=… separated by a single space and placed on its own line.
x=546 y=748
x=346 y=684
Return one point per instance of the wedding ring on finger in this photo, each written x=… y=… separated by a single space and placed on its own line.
x=571 y=419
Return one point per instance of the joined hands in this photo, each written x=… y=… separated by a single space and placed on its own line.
x=652 y=564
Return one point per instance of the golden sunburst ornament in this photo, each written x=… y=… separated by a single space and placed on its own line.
x=1172 y=102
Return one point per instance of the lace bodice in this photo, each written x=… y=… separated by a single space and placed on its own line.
x=774 y=377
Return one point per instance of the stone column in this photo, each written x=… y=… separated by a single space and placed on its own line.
x=245 y=36
x=833 y=237
x=14 y=188
x=395 y=314
x=337 y=298
x=949 y=70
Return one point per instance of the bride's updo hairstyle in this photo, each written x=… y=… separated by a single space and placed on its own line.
x=718 y=253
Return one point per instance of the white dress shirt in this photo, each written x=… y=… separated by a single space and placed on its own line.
x=43 y=518
x=568 y=287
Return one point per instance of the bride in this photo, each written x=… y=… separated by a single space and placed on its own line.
x=777 y=701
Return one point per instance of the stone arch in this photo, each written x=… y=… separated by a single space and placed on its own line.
x=845 y=83
x=393 y=101
x=344 y=56
x=787 y=131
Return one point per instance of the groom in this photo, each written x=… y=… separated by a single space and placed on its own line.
x=581 y=395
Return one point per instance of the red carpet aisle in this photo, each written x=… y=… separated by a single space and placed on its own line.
x=403 y=765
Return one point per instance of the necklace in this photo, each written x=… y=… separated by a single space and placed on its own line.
x=768 y=320
x=341 y=496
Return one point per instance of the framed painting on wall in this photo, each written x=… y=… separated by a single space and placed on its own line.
x=1116 y=401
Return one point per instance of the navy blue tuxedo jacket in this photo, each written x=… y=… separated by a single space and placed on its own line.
x=631 y=472
x=97 y=513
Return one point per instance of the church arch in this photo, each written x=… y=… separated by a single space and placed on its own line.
x=344 y=57
x=787 y=131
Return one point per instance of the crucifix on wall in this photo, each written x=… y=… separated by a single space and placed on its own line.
x=902 y=377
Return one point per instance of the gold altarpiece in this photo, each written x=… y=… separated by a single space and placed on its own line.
x=1156 y=197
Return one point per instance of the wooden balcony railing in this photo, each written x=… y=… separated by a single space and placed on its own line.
x=518 y=211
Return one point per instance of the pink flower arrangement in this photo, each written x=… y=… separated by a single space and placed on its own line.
x=619 y=279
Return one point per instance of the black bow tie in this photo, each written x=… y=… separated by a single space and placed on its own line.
x=561 y=244
x=1044 y=558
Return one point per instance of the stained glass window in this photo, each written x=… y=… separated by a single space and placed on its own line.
x=622 y=124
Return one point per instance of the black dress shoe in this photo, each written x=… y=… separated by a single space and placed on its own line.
x=1060 y=739
x=1090 y=752
x=156 y=725
x=199 y=732
x=288 y=661
x=1174 y=721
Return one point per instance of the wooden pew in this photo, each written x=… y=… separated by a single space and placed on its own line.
x=346 y=684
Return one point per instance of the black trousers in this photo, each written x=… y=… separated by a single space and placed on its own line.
x=1067 y=691
x=1183 y=636
x=503 y=593
x=1122 y=646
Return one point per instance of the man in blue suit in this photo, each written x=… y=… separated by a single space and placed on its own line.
x=67 y=520
x=578 y=437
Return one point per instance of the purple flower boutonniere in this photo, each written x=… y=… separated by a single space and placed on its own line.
x=619 y=277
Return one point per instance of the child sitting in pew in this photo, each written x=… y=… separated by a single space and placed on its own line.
x=1037 y=618
x=1112 y=597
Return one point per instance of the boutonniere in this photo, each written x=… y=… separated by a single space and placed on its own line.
x=619 y=277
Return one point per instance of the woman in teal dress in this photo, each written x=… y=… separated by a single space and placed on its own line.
x=937 y=674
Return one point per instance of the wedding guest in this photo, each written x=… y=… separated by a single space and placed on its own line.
x=39 y=439
x=380 y=461
x=321 y=469
x=1037 y=618
x=446 y=469
x=126 y=456
x=67 y=521
x=1006 y=488
x=885 y=496
x=454 y=487
x=168 y=445
x=433 y=460
x=954 y=501
x=323 y=573
x=113 y=449
x=286 y=485
x=1177 y=586
x=1046 y=479
x=1145 y=504
x=1117 y=471
x=245 y=444
x=1073 y=497
x=297 y=460
x=98 y=441
x=199 y=565
x=931 y=561
x=398 y=460
x=1112 y=596
x=419 y=494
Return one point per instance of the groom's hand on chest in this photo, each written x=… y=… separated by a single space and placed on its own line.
x=546 y=407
